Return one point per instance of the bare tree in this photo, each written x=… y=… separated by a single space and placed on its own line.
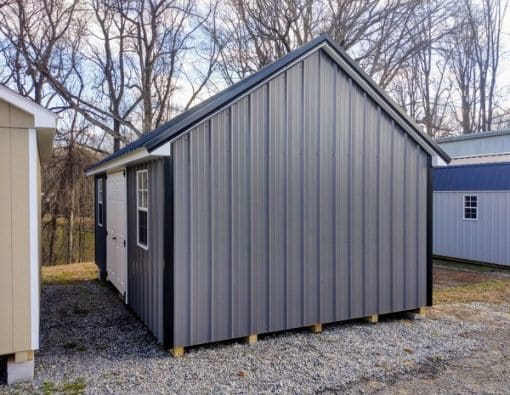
x=108 y=53
x=260 y=31
x=33 y=33
x=485 y=24
x=475 y=51
x=422 y=85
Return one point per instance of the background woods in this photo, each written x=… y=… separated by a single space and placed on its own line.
x=115 y=69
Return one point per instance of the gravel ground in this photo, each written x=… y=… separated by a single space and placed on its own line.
x=91 y=342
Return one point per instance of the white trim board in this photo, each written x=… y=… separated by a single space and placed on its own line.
x=138 y=155
x=33 y=188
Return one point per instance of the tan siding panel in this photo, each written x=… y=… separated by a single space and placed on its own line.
x=20 y=240
x=20 y=119
x=5 y=244
x=4 y=116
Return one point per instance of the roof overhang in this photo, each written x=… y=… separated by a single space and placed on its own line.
x=45 y=121
x=186 y=121
x=139 y=155
x=350 y=67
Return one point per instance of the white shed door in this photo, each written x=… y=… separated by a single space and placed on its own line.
x=116 y=225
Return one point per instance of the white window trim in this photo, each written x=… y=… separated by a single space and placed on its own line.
x=146 y=209
x=464 y=207
x=100 y=221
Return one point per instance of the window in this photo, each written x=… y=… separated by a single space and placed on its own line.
x=100 y=211
x=470 y=207
x=142 y=195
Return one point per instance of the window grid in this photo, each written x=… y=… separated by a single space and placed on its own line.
x=471 y=207
x=142 y=208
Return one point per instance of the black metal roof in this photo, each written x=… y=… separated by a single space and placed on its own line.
x=194 y=115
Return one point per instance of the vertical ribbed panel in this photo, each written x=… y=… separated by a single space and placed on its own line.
x=294 y=196
x=145 y=267
x=277 y=236
x=240 y=218
x=484 y=239
x=311 y=188
x=298 y=204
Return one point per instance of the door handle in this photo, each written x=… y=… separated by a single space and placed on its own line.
x=114 y=238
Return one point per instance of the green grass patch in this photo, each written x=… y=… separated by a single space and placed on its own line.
x=75 y=387
x=68 y=274
x=495 y=291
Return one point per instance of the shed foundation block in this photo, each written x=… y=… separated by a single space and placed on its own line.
x=316 y=328
x=177 y=352
x=252 y=339
x=372 y=319
x=417 y=314
x=20 y=367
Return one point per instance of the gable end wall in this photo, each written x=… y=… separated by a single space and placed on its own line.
x=300 y=203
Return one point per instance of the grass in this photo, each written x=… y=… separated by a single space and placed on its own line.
x=484 y=288
x=493 y=291
x=67 y=387
x=67 y=274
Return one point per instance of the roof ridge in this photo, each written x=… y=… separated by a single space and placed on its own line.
x=202 y=110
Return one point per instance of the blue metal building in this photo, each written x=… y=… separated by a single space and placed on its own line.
x=472 y=199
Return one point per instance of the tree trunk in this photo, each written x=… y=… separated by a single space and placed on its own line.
x=70 y=229
x=51 y=247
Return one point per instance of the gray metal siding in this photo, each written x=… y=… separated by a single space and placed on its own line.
x=301 y=203
x=486 y=145
x=485 y=239
x=146 y=267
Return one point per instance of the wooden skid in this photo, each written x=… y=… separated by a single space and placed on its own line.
x=316 y=328
x=373 y=319
x=177 y=352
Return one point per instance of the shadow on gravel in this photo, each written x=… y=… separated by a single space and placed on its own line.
x=88 y=317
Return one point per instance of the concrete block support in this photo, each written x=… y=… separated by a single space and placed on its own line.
x=20 y=367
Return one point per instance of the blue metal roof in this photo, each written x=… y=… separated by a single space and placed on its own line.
x=476 y=177
x=194 y=115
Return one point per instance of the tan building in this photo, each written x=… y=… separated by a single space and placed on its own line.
x=26 y=139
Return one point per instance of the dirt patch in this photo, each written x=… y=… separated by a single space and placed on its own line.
x=454 y=285
x=68 y=274
x=495 y=291
x=449 y=277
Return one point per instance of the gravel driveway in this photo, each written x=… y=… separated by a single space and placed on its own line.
x=90 y=342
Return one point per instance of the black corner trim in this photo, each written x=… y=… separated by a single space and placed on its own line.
x=168 y=271
x=430 y=175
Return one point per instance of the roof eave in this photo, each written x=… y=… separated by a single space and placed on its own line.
x=340 y=56
x=354 y=72
x=138 y=155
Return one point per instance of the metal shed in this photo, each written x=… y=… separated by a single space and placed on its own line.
x=471 y=211
x=299 y=196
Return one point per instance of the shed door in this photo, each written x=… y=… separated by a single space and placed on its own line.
x=116 y=224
